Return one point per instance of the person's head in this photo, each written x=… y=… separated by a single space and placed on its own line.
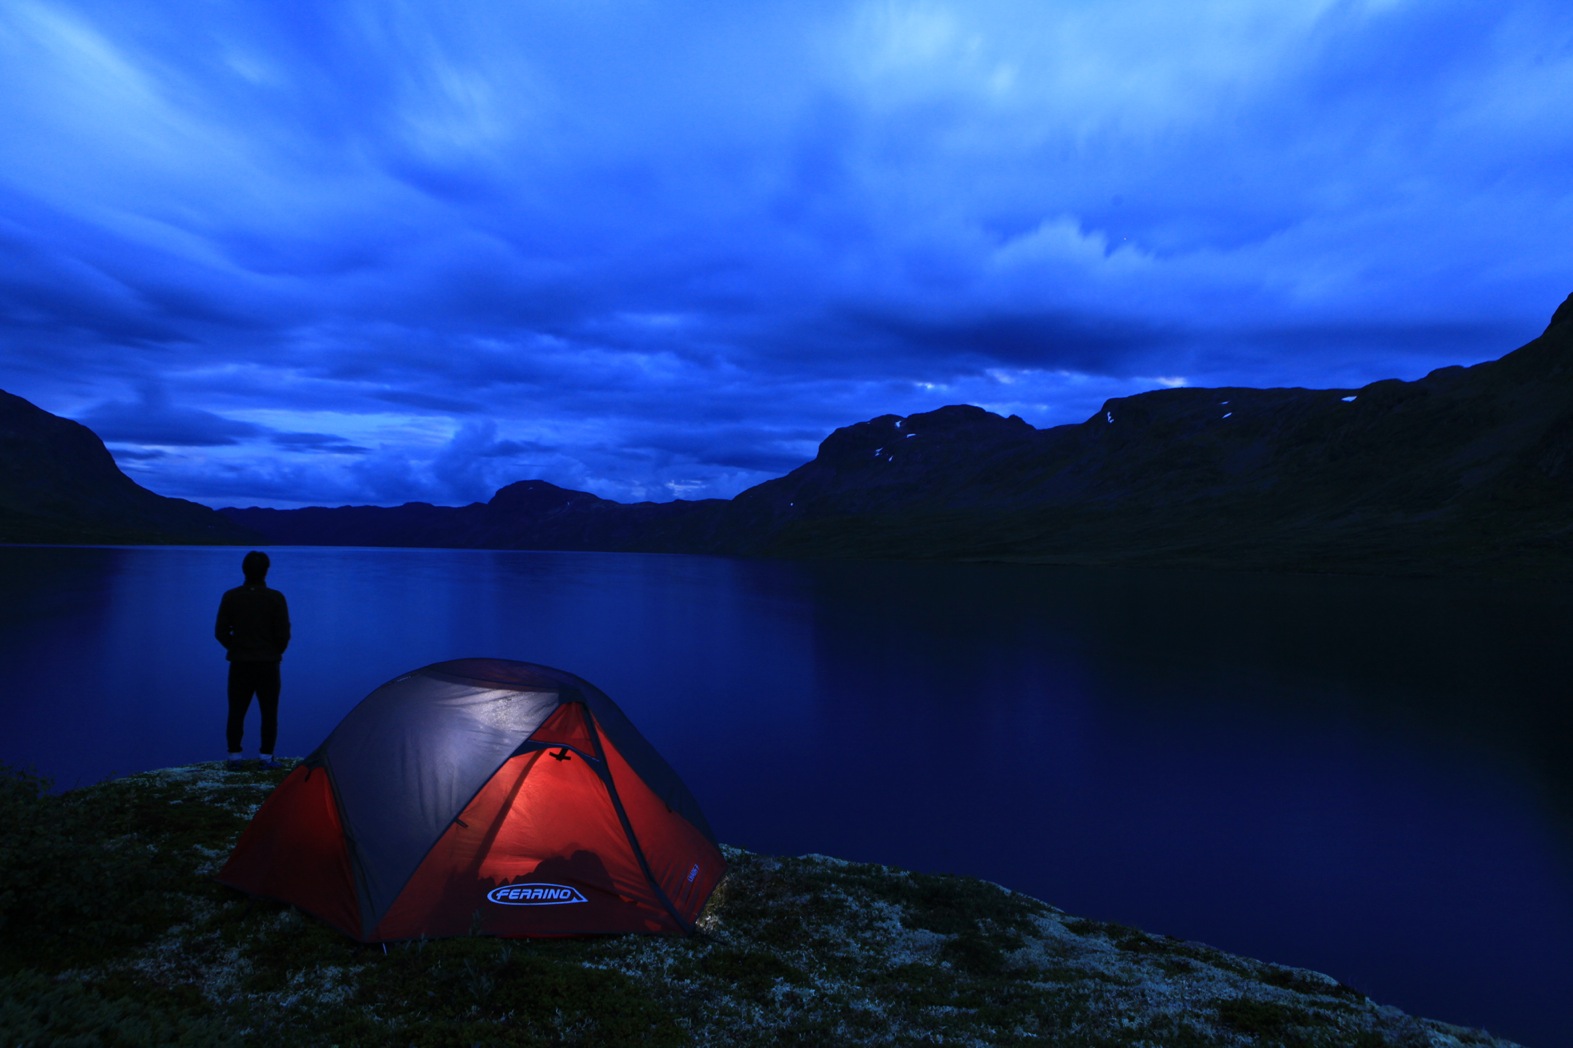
x=255 y=565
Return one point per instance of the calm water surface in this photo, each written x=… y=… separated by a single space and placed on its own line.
x=1365 y=777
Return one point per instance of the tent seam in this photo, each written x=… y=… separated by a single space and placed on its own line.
x=628 y=829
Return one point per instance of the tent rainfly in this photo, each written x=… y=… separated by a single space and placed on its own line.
x=483 y=796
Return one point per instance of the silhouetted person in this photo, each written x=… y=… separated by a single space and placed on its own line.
x=253 y=626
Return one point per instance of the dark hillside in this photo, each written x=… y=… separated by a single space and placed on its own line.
x=58 y=484
x=1465 y=469
x=529 y=514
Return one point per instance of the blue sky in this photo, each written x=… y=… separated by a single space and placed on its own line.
x=370 y=251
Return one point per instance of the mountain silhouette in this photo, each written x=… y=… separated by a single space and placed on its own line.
x=1464 y=467
x=59 y=484
x=1469 y=469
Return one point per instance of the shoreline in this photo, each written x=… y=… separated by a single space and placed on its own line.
x=798 y=949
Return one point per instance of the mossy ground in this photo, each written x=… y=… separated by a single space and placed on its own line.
x=113 y=931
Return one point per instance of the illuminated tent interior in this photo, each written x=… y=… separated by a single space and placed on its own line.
x=483 y=796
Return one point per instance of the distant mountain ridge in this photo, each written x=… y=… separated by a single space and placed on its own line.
x=1464 y=470
x=59 y=484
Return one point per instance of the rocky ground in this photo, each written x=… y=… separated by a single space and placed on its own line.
x=112 y=931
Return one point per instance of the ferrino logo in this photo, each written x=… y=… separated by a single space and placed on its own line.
x=534 y=895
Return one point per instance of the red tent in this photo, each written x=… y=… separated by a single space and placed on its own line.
x=483 y=796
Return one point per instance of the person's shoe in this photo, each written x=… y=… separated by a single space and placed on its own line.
x=269 y=764
x=235 y=764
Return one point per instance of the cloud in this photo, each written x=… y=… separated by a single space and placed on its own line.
x=474 y=464
x=317 y=442
x=373 y=252
x=152 y=420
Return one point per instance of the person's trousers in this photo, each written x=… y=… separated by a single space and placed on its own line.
x=245 y=680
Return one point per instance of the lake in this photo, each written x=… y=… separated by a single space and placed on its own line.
x=1368 y=777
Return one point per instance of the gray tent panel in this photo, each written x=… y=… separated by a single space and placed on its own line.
x=450 y=735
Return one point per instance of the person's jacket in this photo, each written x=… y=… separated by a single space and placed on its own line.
x=253 y=624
